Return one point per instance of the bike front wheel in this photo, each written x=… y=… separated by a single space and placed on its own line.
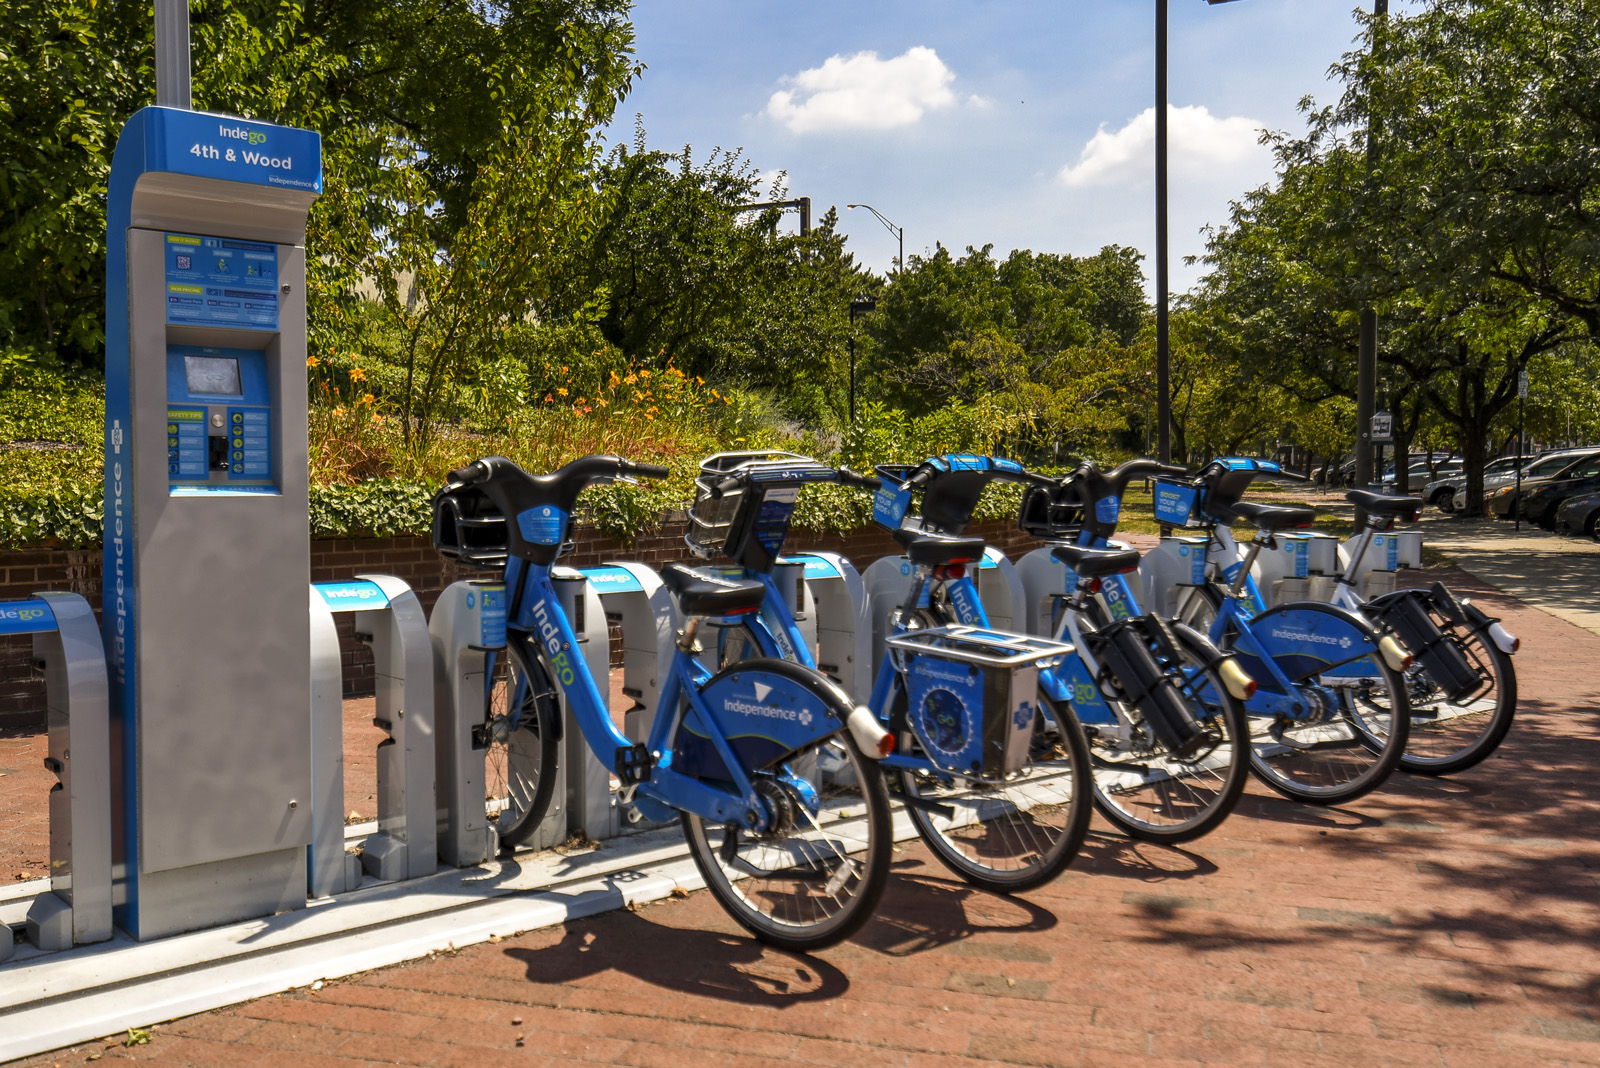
x=1148 y=792
x=813 y=880
x=519 y=745
x=1015 y=834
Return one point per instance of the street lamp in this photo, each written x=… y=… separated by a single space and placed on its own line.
x=898 y=231
x=859 y=306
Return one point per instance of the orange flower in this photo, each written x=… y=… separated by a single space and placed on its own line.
x=357 y=374
x=312 y=361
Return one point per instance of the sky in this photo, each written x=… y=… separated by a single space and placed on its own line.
x=1021 y=123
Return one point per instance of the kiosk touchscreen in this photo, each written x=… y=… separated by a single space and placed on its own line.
x=207 y=551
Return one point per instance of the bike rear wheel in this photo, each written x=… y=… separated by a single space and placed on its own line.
x=519 y=745
x=1448 y=736
x=1348 y=748
x=815 y=880
x=1012 y=835
x=1147 y=792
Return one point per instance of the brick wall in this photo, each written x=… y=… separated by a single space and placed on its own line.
x=411 y=559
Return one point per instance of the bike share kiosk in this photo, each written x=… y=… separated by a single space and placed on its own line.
x=389 y=619
x=67 y=646
x=207 y=559
x=833 y=614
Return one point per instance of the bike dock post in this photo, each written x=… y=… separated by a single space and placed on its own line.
x=589 y=804
x=632 y=596
x=1165 y=571
x=389 y=618
x=1043 y=578
x=1376 y=569
x=467 y=624
x=1001 y=591
x=68 y=648
x=840 y=625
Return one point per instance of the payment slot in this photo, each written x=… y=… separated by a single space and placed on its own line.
x=589 y=803
x=389 y=619
x=67 y=647
x=206 y=557
x=467 y=626
x=841 y=627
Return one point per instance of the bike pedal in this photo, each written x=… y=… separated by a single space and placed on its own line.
x=633 y=765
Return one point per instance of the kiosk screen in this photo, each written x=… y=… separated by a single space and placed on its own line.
x=217 y=376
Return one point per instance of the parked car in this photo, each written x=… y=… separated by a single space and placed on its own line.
x=1540 y=505
x=1441 y=492
x=1500 y=502
x=1579 y=516
x=1418 y=471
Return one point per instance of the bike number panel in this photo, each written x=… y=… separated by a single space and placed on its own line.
x=762 y=715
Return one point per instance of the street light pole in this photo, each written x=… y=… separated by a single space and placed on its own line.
x=1367 y=346
x=859 y=306
x=1163 y=337
x=898 y=231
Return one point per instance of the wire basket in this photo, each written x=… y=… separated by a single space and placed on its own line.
x=469 y=529
x=1051 y=513
x=971 y=696
x=747 y=522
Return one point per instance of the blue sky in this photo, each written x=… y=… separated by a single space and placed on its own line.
x=1025 y=123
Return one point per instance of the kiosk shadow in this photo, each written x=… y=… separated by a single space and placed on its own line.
x=701 y=963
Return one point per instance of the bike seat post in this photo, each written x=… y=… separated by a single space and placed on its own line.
x=1261 y=539
x=919 y=579
x=1363 y=539
x=689 y=635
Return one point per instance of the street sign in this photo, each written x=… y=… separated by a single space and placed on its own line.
x=1522 y=385
x=1382 y=428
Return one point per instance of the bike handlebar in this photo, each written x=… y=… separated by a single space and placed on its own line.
x=841 y=475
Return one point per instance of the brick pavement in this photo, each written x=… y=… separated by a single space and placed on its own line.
x=1438 y=922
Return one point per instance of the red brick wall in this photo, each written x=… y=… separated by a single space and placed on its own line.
x=411 y=559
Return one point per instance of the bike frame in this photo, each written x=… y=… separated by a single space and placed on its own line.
x=537 y=618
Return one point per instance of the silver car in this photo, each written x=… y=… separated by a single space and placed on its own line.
x=1441 y=493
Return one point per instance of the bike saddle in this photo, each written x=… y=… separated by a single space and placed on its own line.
x=1271 y=517
x=924 y=548
x=1096 y=563
x=1408 y=508
x=701 y=593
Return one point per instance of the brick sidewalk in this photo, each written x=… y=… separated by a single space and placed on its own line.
x=1439 y=922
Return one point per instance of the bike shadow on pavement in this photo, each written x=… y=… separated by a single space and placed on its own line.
x=697 y=962
x=1105 y=853
x=920 y=911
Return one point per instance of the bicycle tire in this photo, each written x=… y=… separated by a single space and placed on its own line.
x=1284 y=753
x=995 y=837
x=519 y=746
x=1476 y=742
x=1179 y=808
x=845 y=849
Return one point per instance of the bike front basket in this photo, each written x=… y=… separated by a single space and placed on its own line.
x=972 y=696
x=1051 y=513
x=469 y=529
x=1175 y=502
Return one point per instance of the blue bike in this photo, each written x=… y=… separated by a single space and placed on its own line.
x=786 y=817
x=1330 y=716
x=996 y=784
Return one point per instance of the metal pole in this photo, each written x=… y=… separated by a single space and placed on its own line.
x=852 y=369
x=1516 y=507
x=1163 y=346
x=1367 y=349
x=173 y=89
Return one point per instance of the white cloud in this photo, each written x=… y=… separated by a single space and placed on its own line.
x=1198 y=143
x=863 y=92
